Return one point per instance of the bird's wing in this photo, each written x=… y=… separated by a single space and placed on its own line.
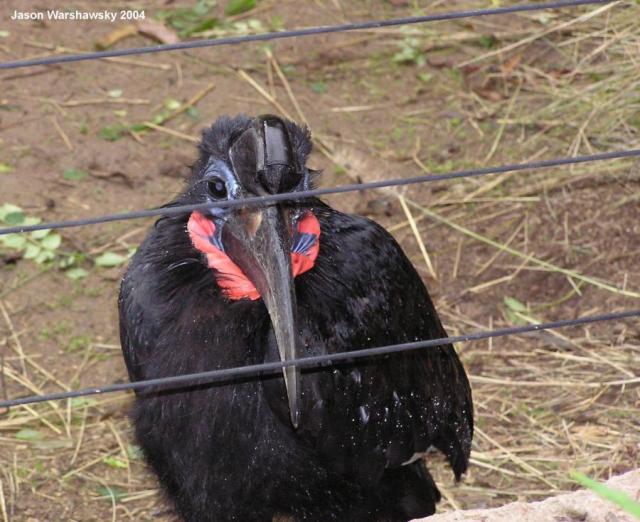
x=364 y=292
x=129 y=316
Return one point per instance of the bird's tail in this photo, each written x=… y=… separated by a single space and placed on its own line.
x=413 y=489
x=403 y=494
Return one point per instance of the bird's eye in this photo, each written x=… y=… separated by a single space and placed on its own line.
x=217 y=188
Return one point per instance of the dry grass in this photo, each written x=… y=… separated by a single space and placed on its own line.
x=505 y=249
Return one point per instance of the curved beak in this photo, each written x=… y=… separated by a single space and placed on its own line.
x=259 y=242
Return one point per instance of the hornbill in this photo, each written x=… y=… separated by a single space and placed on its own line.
x=241 y=285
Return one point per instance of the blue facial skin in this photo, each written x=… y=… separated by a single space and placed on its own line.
x=219 y=169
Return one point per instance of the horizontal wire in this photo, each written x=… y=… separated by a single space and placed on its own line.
x=291 y=196
x=233 y=40
x=325 y=360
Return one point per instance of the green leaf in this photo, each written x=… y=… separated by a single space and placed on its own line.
x=112 y=132
x=82 y=402
x=44 y=256
x=139 y=127
x=68 y=261
x=514 y=318
x=205 y=25
x=31 y=252
x=51 y=241
x=514 y=304
x=74 y=174
x=488 y=41
x=76 y=273
x=255 y=25
x=30 y=220
x=202 y=7
x=277 y=23
x=134 y=452
x=159 y=119
x=14 y=218
x=16 y=241
x=29 y=434
x=110 y=259
x=172 y=105
x=8 y=208
x=620 y=498
x=425 y=77
x=319 y=87
x=53 y=444
x=114 y=462
x=192 y=112
x=235 y=7
x=111 y=492
x=4 y=168
x=39 y=234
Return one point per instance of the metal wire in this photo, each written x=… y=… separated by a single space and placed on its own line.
x=233 y=40
x=289 y=196
x=326 y=360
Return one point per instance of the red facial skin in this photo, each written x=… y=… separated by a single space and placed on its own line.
x=234 y=284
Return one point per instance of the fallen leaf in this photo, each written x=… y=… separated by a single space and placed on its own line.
x=116 y=176
x=115 y=36
x=489 y=94
x=513 y=62
x=157 y=31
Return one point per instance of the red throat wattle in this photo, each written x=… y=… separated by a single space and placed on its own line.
x=233 y=282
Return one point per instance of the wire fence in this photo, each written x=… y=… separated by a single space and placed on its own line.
x=310 y=31
x=304 y=194
x=229 y=374
x=317 y=361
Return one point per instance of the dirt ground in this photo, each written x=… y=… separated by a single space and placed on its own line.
x=505 y=249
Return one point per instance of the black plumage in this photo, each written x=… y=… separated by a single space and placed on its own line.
x=229 y=451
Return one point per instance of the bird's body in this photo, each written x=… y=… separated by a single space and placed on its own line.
x=229 y=451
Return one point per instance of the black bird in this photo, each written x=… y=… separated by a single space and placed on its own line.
x=236 y=286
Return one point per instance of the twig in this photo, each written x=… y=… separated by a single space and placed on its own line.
x=171 y=132
x=63 y=135
x=418 y=237
x=14 y=336
x=479 y=237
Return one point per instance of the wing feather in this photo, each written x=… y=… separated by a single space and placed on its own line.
x=364 y=292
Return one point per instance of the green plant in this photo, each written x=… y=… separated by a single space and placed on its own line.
x=110 y=260
x=74 y=174
x=410 y=52
x=43 y=246
x=190 y=20
x=235 y=7
x=40 y=245
x=620 y=498
x=513 y=307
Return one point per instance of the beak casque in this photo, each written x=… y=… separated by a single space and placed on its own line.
x=258 y=239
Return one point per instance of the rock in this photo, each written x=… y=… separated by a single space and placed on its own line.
x=583 y=506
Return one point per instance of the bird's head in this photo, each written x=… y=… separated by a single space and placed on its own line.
x=256 y=251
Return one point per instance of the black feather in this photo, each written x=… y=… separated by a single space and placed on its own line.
x=226 y=452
